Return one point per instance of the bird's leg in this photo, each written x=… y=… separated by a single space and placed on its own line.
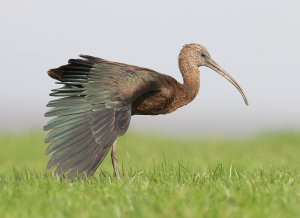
x=114 y=160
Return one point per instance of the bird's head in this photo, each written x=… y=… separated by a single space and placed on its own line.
x=198 y=55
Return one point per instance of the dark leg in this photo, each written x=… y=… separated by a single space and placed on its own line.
x=114 y=160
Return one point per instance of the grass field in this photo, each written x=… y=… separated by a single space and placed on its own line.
x=161 y=177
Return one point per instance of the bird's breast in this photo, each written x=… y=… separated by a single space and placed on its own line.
x=152 y=103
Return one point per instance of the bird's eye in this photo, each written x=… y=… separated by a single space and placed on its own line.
x=205 y=54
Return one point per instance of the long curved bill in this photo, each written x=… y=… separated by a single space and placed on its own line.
x=217 y=68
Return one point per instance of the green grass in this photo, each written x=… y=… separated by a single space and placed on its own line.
x=161 y=177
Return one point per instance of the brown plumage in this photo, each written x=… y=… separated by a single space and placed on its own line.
x=99 y=97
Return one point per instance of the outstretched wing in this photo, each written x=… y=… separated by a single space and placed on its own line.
x=94 y=108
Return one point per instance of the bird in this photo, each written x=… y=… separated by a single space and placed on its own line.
x=94 y=105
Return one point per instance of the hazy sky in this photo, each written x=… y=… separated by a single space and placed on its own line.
x=258 y=42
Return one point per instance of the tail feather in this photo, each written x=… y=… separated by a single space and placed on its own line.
x=55 y=73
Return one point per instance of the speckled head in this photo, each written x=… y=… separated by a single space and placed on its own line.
x=197 y=55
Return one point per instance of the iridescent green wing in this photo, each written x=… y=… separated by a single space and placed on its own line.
x=93 y=109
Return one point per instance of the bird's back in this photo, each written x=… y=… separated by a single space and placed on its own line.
x=131 y=81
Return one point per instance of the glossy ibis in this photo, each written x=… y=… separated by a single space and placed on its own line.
x=98 y=97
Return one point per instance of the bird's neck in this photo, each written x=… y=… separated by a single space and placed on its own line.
x=191 y=80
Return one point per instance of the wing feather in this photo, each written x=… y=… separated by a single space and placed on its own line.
x=93 y=109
